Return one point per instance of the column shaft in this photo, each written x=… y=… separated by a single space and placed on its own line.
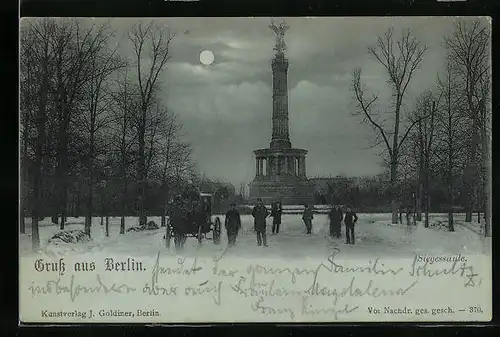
x=302 y=166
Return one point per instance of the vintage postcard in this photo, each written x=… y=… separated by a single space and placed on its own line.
x=191 y=170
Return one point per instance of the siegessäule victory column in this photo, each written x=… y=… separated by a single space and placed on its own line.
x=280 y=170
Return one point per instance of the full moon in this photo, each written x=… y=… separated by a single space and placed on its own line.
x=207 y=57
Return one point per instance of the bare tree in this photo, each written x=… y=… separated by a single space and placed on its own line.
x=146 y=39
x=400 y=59
x=103 y=63
x=485 y=135
x=28 y=82
x=74 y=46
x=449 y=135
x=170 y=133
x=40 y=55
x=468 y=50
x=126 y=101
x=425 y=114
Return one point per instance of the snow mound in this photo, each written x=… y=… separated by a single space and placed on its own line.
x=439 y=225
x=150 y=226
x=71 y=236
x=67 y=242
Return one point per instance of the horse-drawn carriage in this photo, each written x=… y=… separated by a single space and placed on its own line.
x=198 y=226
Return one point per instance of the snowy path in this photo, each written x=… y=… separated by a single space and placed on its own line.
x=374 y=235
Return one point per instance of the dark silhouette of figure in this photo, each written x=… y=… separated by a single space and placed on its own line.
x=335 y=216
x=350 y=220
x=260 y=213
x=233 y=224
x=276 y=212
x=307 y=217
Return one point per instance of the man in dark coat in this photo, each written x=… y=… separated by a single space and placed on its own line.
x=350 y=220
x=307 y=217
x=408 y=214
x=260 y=213
x=335 y=216
x=179 y=219
x=276 y=212
x=233 y=224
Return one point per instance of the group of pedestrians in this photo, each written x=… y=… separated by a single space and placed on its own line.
x=336 y=216
x=350 y=218
x=183 y=214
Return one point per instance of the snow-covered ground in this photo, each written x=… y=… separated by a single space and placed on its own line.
x=292 y=280
x=374 y=235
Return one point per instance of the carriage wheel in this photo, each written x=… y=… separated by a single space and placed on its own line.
x=217 y=231
x=168 y=234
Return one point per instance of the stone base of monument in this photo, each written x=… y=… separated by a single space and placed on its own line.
x=288 y=192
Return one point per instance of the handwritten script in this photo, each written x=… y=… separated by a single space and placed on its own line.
x=331 y=289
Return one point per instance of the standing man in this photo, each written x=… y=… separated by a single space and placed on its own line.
x=233 y=224
x=307 y=217
x=276 y=212
x=260 y=214
x=335 y=216
x=408 y=223
x=350 y=220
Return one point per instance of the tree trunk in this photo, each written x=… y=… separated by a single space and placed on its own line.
x=25 y=193
x=471 y=172
x=62 y=170
x=164 y=214
x=427 y=198
x=419 y=199
x=427 y=209
x=420 y=194
x=122 y=224
x=107 y=226
x=451 y=226
x=88 y=218
x=40 y=144
x=450 y=163
x=486 y=164
x=37 y=187
x=124 y=206
x=393 y=187
x=142 y=170
x=123 y=150
x=468 y=214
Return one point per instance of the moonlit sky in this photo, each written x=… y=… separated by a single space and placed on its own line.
x=226 y=107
